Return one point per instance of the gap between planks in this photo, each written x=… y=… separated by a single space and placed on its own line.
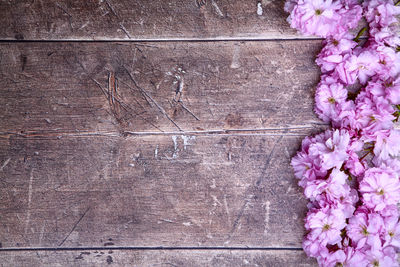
x=223 y=132
x=172 y=40
x=150 y=248
x=165 y=40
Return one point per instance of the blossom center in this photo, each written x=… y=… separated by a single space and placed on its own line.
x=364 y=231
x=326 y=227
x=391 y=234
x=331 y=100
x=375 y=263
x=380 y=192
x=388 y=84
x=318 y=12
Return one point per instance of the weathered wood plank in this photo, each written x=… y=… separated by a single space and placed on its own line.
x=58 y=88
x=162 y=258
x=141 y=19
x=173 y=191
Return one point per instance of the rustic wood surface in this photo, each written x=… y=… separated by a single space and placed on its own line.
x=166 y=143
x=149 y=191
x=157 y=87
x=143 y=19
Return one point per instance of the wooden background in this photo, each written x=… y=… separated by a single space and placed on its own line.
x=152 y=133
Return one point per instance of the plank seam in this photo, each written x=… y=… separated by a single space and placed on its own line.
x=151 y=248
x=260 y=131
x=168 y=40
x=194 y=40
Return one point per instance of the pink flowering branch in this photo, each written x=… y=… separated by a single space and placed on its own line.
x=350 y=173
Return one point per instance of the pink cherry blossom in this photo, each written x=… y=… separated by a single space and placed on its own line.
x=355 y=257
x=333 y=150
x=385 y=257
x=388 y=66
x=334 y=188
x=385 y=36
x=392 y=90
x=380 y=188
x=381 y=13
x=387 y=144
x=364 y=229
x=315 y=17
x=334 y=51
x=373 y=114
x=314 y=248
x=355 y=165
x=329 y=97
x=325 y=226
x=331 y=259
x=391 y=231
x=359 y=67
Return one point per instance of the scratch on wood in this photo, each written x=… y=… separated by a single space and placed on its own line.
x=266 y=219
x=217 y=9
x=179 y=94
x=122 y=27
x=66 y=12
x=125 y=30
x=111 y=8
x=258 y=182
x=166 y=220
x=145 y=93
x=236 y=57
x=113 y=97
x=239 y=216
x=73 y=228
x=4 y=164
x=227 y=210
x=83 y=25
x=126 y=107
x=188 y=110
x=268 y=161
x=156 y=152
x=41 y=234
x=28 y=215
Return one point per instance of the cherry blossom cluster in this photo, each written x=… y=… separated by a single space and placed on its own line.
x=350 y=173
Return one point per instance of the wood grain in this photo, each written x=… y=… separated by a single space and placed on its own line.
x=142 y=19
x=159 y=258
x=112 y=88
x=172 y=191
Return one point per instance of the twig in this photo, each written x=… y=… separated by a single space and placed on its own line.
x=360 y=33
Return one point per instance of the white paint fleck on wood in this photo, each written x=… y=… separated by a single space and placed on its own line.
x=259 y=9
